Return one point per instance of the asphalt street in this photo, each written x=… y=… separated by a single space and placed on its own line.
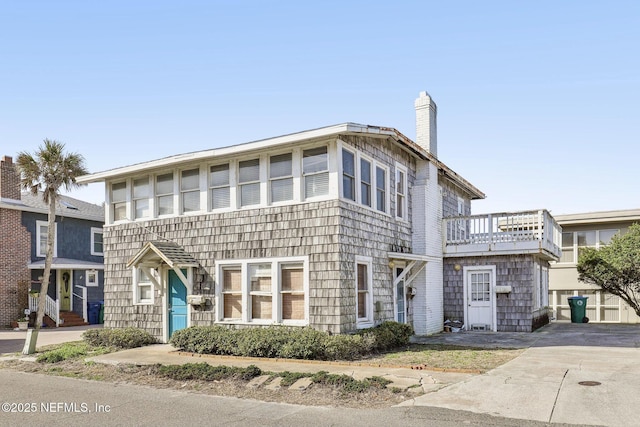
x=35 y=399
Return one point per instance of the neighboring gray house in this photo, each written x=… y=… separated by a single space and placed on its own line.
x=338 y=228
x=77 y=271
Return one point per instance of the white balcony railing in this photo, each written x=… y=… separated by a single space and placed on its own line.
x=503 y=233
x=51 y=307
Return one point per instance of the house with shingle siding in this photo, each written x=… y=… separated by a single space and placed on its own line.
x=338 y=228
x=77 y=271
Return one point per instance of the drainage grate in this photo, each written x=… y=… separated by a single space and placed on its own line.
x=589 y=383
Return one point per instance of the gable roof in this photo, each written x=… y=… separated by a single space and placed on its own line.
x=324 y=132
x=170 y=253
x=66 y=206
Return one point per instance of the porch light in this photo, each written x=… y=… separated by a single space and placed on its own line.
x=392 y=264
x=457 y=267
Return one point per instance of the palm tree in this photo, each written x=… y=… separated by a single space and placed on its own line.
x=46 y=172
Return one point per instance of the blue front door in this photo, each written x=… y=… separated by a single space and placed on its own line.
x=177 y=303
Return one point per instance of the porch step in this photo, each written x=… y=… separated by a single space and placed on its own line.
x=70 y=318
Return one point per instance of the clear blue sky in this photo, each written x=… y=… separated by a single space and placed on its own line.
x=538 y=101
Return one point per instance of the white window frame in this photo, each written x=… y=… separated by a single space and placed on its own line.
x=112 y=203
x=354 y=178
x=94 y=231
x=326 y=171
x=229 y=186
x=39 y=225
x=137 y=284
x=368 y=320
x=374 y=165
x=157 y=196
x=400 y=169
x=191 y=190
x=575 y=247
x=96 y=277
x=276 y=291
x=239 y=184
x=135 y=200
x=290 y=177
x=386 y=188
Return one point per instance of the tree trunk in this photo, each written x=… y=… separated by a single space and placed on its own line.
x=44 y=287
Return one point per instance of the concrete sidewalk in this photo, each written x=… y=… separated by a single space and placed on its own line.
x=403 y=378
x=12 y=341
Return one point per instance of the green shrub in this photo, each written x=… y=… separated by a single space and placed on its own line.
x=64 y=352
x=348 y=384
x=389 y=335
x=118 y=338
x=206 y=372
x=290 y=342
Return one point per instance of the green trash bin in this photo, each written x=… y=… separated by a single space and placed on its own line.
x=101 y=313
x=578 y=307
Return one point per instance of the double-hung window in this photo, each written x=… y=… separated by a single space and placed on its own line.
x=401 y=192
x=381 y=189
x=143 y=287
x=119 y=201
x=42 y=238
x=232 y=292
x=263 y=291
x=249 y=182
x=348 y=175
x=281 y=178
x=141 y=197
x=292 y=291
x=190 y=190
x=96 y=241
x=315 y=171
x=365 y=182
x=364 y=297
x=220 y=186
x=260 y=291
x=164 y=194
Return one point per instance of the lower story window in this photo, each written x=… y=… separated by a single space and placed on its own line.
x=143 y=287
x=364 y=297
x=263 y=291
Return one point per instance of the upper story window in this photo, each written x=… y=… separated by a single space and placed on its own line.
x=401 y=192
x=315 y=170
x=119 y=201
x=141 y=197
x=42 y=238
x=190 y=190
x=365 y=182
x=96 y=241
x=249 y=182
x=348 y=175
x=220 y=186
x=164 y=194
x=573 y=242
x=281 y=177
x=381 y=189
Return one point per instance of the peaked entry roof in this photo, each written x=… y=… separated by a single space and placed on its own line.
x=170 y=253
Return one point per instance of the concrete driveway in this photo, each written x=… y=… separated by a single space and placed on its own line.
x=585 y=374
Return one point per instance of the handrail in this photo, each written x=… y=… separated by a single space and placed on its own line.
x=51 y=307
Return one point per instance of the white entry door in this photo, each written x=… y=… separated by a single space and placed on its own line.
x=479 y=299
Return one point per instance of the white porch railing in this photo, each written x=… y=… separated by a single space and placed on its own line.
x=83 y=297
x=51 y=307
x=513 y=233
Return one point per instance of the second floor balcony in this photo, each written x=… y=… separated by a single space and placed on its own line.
x=529 y=232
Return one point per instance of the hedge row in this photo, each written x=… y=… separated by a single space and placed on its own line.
x=291 y=343
x=118 y=338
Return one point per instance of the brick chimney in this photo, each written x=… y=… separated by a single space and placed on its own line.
x=426 y=128
x=9 y=179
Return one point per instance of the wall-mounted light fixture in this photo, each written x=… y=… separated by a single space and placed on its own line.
x=457 y=267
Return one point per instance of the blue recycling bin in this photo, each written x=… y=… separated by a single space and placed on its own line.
x=94 y=312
